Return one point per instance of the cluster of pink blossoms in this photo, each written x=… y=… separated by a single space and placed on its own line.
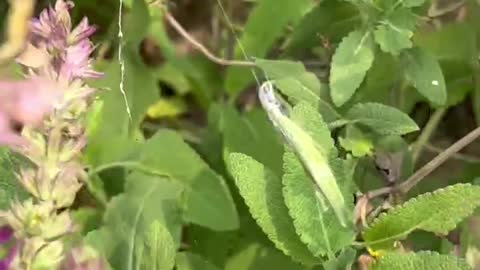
x=50 y=104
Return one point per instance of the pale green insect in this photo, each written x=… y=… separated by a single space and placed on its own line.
x=303 y=144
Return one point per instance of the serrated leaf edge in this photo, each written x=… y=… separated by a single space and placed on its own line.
x=433 y=254
x=274 y=240
x=302 y=236
x=419 y=197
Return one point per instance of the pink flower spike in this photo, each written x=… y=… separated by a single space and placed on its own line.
x=81 y=32
x=77 y=63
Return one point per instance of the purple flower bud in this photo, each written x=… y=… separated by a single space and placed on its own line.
x=6 y=237
x=53 y=25
x=81 y=32
x=6 y=234
x=77 y=63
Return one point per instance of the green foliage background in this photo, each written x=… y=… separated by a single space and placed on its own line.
x=199 y=178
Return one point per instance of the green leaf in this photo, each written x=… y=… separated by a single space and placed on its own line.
x=440 y=44
x=350 y=63
x=298 y=84
x=87 y=219
x=174 y=77
x=264 y=26
x=382 y=119
x=207 y=196
x=312 y=123
x=331 y=19
x=421 y=260
x=425 y=74
x=135 y=23
x=437 y=212
x=344 y=261
x=356 y=142
x=412 y=3
x=191 y=261
x=129 y=217
x=160 y=248
x=113 y=126
x=394 y=33
x=318 y=228
x=257 y=256
x=10 y=188
x=256 y=139
x=206 y=243
x=262 y=192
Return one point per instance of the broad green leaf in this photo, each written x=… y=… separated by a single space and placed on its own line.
x=455 y=57
x=113 y=126
x=255 y=139
x=331 y=19
x=191 y=261
x=312 y=123
x=136 y=22
x=422 y=260
x=344 y=261
x=381 y=84
x=257 y=256
x=129 y=218
x=382 y=119
x=158 y=248
x=262 y=192
x=164 y=107
x=393 y=34
x=298 y=85
x=10 y=188
x=425 y=74
x=350 y=63
x=264 y=26
x=206 y=243
x=317 y=227
x=440 y=43
x=206 y=195
x=438 y=212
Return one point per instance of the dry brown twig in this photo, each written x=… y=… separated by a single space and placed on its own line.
x=421 y=173
x=199 y=46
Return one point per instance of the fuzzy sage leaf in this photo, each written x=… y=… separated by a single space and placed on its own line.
x=438 y=212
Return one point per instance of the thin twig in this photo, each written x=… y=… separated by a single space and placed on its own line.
x=439 y=160
x=427 y=133
x=463 y=157
x=420 y=174
x=199 y=46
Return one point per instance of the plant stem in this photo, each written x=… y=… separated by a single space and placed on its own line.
x=420 y=174
x=171 y=20
x=439 y=160
x=427 y=133
x=458 y=156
